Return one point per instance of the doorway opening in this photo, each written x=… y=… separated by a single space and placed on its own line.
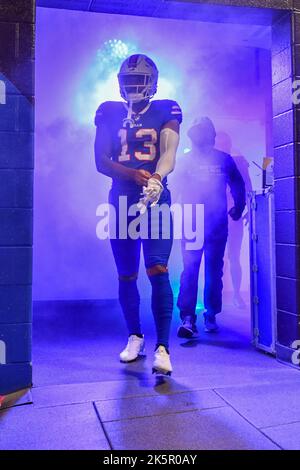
x=219 y=70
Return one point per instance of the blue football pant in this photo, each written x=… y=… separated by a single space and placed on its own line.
x=156 y=255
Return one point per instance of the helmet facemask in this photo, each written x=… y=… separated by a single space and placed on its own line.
x=136 y=87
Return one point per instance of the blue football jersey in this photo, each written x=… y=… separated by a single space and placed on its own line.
x=136 y=145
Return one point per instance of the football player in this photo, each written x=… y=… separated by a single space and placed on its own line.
x=136 y=144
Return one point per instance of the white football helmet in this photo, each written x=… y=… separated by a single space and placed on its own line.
x=138 y=78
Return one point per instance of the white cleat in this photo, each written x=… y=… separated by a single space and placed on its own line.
x=162 y=364
x=135 y=348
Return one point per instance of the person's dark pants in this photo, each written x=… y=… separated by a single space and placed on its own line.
x=214 y=261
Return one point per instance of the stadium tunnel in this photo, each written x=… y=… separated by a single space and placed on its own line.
x=272 y=45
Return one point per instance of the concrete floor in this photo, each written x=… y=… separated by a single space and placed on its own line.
x=223 y=394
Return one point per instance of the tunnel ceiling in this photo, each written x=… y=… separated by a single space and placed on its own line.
x=220 y=11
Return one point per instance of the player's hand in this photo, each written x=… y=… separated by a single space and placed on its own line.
x=151 y=194
x=141 y=177
x=153 y=190
x=235 y=213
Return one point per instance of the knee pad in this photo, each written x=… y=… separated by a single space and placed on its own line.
x=157 y=269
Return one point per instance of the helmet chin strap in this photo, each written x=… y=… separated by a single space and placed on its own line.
x=128 y=120
x=130 y=111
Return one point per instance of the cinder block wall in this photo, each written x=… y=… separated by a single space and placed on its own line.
x=17 y=19
x=286 y=69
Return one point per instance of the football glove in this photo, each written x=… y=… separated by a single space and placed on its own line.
x=151 y=194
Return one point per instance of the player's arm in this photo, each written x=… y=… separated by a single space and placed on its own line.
x=169 y=141
x=237 y=187
x=106 y=166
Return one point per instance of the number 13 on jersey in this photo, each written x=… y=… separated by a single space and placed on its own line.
x=148 y=145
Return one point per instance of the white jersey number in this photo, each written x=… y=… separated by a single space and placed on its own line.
x=149 y=145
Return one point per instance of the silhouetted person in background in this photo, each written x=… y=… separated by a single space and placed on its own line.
x=235 y=227
x=206 y=174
